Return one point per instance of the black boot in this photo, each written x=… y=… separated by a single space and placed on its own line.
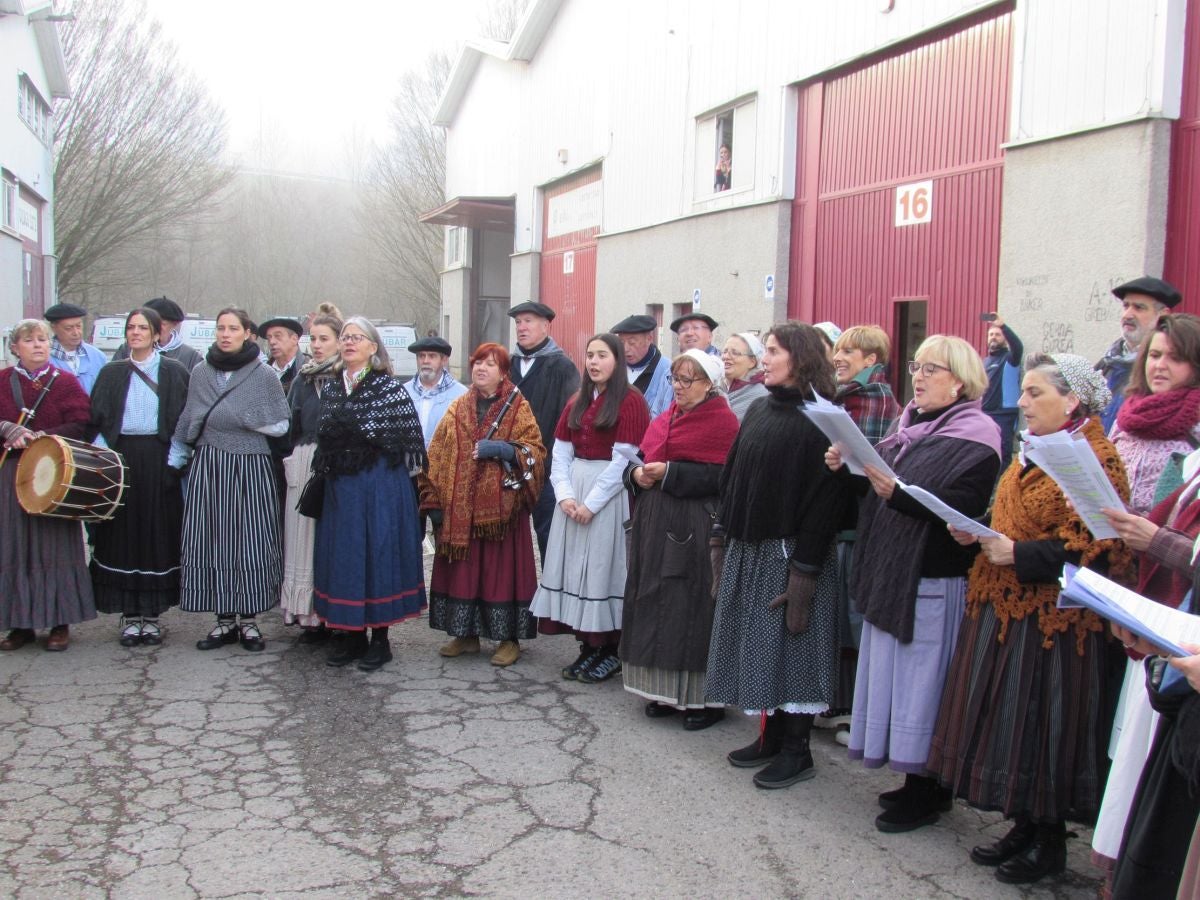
x=916 y=804
x=765 y=747
x=1019 y=837
x=348 y=648
x=794 y=762
x=1046 y=855
x=380 y=651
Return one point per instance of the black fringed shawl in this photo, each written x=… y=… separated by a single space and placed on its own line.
x=377 y=420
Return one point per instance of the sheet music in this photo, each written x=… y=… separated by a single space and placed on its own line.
x=1160 y=625
x=947 y=513
x=1076 y=470
x=837 y=425
x=630 y=455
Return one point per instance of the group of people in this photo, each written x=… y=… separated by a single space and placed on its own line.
x=698 y=535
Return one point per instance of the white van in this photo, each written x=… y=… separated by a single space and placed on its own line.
x=108 y=334
x=396 y=339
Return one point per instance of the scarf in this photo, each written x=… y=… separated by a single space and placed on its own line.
x=738 y=383
x=375 y=421
x=701 y=434
x=1119 y=355
x=470 y=492
x=444 y=384
x=1161 y=417
x=230 y=362
x=546 y=348
x=1181 y=512
x=35 y=377
x=651 y=356
x=318 y=372
x=70 y=357
x=1029 y=506
x=173 y=342
x=960 y=419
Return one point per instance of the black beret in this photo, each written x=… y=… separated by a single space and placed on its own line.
x=281 y=322
x=635 y=325
x=707 y=320
x=1164 y=293
x=60 y=311
x=436 y=344
x=532 y=306
x=166 y=308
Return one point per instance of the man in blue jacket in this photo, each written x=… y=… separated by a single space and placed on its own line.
x=433 y=388
x=68 y=350
x=649 y=370
x=1003 y=367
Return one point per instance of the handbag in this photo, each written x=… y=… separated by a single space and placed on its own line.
x=312 y=496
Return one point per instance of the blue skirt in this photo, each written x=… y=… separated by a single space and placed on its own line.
x=367 y=564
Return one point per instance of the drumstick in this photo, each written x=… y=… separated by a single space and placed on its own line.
x=27 y=414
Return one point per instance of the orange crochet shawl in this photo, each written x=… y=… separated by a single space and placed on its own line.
x=469 y=492
x=1030 y=507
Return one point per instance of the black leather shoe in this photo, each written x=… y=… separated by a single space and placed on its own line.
x=1019 y=837
x=251 y=637
x=377 y=654
x=347 y=649
x=1046 y=855
x=656 y=710
x=313 y=635
x=699 y=719
x=225 y=632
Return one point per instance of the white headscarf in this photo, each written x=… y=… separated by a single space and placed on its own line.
x=754 y=345
x=709 y=364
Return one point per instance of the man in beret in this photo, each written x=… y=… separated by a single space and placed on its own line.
x=695 y=332
x=433 y=388
x=1143 y=300
x=170 y=341
x=649 y=370
x=283 y=338
x=547 y=378
x=68 y=350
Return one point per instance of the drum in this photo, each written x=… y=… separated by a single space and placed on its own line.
x=69 y=479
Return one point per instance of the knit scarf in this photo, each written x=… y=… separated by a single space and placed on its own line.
x=444 y=384
x=738 y=383
x=1170 y=416
x=703 y=433
x=1029 y=506
x=316 y=373
x=470 y=492
x=230 y=362
x=377 y=420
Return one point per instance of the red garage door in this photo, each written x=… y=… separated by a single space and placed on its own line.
x=898 y=185
x=571 y=219
x=1183 y=211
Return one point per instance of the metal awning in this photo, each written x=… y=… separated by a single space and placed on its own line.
x=487 y=213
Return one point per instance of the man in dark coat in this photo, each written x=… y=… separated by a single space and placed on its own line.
x=170 y=340
x=547 y=378
x=283 y=338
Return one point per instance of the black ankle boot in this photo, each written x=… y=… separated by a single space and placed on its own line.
x=1019 y=837
x=916 y=804
x=378 y=653
x=794 y=762
x=1045 y=855
x=765 y=747
x=352 y=646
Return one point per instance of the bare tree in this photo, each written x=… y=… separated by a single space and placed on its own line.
x=138 y=145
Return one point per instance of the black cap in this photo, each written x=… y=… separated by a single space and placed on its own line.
x=167 y=309
x=60 y=311
x=635 y=325
x=707 y=320
x=532 y=306
x=281 y=322
x=1164 y=293
x=436 y=344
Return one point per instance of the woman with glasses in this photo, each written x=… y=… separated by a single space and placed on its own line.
x=667 y=618
x=583 y=579
x=367 y=562
x=908 y=577
x=741 y=356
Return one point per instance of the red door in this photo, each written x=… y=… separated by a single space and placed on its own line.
x=1183 y=208
x=571 y=219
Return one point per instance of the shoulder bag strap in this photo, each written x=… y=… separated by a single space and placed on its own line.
x=150 y=382
x=204 y=421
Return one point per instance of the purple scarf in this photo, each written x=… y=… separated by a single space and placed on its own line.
x=965 y=420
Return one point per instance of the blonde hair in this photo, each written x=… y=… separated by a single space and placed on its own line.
x=868 y=339
x=24 y=329
x=960 y=358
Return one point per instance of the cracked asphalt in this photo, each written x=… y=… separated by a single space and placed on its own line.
x=167 y=772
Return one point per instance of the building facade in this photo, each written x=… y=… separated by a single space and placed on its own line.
x=908 y=163
x=34 y=74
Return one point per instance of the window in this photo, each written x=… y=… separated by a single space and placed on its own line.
x=456 y=246
x=8 y=203
x=34 y=111
x=725 y=142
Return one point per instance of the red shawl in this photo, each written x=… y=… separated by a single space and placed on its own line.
x=703 y=434
x=1156 y=581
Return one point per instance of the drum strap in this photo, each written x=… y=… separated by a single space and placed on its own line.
x=150 y=382
x=14 y=381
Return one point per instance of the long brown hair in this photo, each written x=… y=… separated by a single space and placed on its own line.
x=614 y=393
x=1183 y=334
x=808 y=365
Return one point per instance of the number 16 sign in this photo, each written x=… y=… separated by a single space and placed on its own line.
x=914 y=203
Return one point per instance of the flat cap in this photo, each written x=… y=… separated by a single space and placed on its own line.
x=635 y=325
x=532 y=306
x=707 y=320
x=1163 y=292
x=60 y=311
x=166 y=308
x=281 y=322
x=436 y=344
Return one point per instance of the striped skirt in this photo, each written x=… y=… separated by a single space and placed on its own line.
x=232 y=559
x=299 y=531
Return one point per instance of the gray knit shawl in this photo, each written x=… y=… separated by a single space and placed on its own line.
x=259 y=402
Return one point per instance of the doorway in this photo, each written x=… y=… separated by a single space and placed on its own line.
x=910 y=330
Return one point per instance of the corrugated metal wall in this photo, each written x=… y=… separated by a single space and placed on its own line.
x=1183 y=211
x=571 y=295
x=936 y=111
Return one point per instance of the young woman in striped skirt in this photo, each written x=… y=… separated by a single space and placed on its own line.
x=232 y=562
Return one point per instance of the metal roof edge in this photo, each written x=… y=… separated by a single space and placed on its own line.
x=50 y=49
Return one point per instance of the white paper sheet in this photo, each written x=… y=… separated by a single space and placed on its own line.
x=945 y=512
x=1161 y=625
x=630 y=454
x=1076 y=470
x=837 y=425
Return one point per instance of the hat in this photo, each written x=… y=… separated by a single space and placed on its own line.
x=60 y=311
x=635 y=325
x=753 y=343
x=434 y=343
x=1164 y=293
x=707 y=320
x=831 y=331
x=709 y=364
x=167 y=309
x=532 y=306
x=281 y=322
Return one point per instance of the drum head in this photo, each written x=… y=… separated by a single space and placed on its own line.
x=43 y=474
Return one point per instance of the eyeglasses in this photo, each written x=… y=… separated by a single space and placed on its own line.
x=736 y=354
x=683 y=381
x=926 y=369
x=353 y=338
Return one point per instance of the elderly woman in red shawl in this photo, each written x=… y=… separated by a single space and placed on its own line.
x=668 y=612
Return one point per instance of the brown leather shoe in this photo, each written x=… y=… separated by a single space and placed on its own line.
x=507 y=653
x=59 y=640
x=17 y=638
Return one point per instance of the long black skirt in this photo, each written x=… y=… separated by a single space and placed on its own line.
x=135 y=557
